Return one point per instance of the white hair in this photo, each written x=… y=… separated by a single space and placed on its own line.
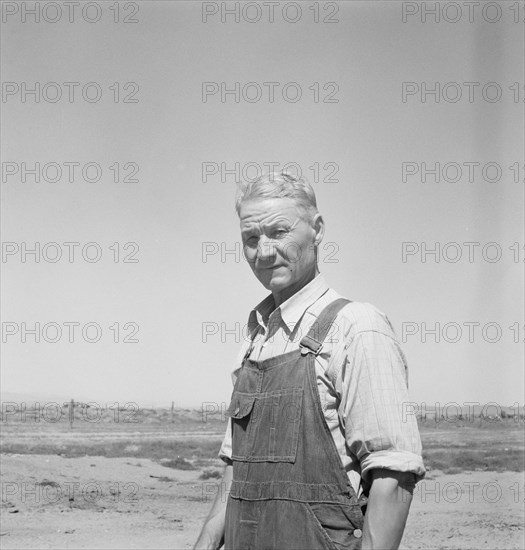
x=279 y=185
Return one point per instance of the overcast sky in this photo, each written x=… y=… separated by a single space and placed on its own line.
x=352 y=130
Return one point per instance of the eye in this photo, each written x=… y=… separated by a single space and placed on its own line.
x=251 y=241
x=279 y=233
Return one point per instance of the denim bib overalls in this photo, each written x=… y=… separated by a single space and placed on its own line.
x=290 y=490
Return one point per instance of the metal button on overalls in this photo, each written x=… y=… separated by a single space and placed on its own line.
x=290 y=489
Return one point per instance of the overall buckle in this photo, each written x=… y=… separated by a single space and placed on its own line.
x=306 y=350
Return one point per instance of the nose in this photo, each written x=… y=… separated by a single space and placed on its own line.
x=266 y=249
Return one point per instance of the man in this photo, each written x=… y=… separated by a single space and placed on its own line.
x=318 y=453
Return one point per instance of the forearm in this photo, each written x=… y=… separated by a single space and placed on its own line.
x=387 y=510
x=212 y=533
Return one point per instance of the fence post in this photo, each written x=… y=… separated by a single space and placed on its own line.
x=71 y=413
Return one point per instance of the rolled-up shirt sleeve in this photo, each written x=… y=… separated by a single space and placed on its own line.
x=374 y=397
x=225 y=452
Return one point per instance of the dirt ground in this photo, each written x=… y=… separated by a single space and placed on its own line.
x=49 y=501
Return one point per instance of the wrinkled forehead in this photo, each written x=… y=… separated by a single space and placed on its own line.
x=269 y=210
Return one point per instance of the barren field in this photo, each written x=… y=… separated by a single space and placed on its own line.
x=150 y=484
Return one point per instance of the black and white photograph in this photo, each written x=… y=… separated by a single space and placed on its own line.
x=262 y=275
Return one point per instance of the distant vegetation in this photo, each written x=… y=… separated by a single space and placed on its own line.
x=82 y=415
x=186 y=438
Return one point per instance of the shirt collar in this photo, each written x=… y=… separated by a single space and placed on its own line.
x=292 y=309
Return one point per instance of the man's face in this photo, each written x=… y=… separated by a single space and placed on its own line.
x=279 y=244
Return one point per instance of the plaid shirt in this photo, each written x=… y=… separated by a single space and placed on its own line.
x=364 y=409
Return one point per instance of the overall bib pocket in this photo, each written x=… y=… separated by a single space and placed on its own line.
x=265 y=426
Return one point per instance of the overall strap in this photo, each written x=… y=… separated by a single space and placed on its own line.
x=313 y=341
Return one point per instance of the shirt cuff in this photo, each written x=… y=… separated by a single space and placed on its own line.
x=225 y=452
x=399 y=461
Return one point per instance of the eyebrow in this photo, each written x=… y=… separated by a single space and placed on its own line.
x=256 y=228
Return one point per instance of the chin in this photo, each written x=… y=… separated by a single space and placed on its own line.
x=275 y=283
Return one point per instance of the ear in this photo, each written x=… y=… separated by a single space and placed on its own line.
x=318 y=226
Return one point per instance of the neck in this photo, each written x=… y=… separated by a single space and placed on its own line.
x=279 y=297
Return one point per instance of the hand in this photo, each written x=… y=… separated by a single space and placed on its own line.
x=206 y=542
x=212 y=534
